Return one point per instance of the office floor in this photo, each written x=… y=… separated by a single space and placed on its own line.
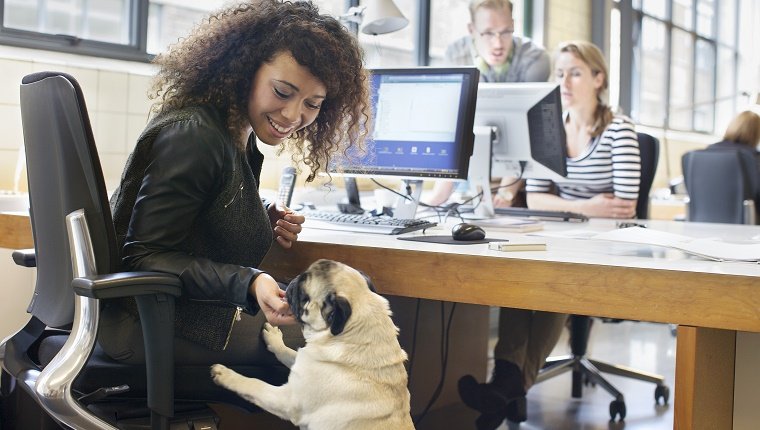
x=645 y=346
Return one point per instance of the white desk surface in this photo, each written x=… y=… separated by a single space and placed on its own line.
x=581 y=251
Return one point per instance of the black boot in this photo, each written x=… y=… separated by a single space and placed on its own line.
x=506 y=385
x=489 y=421
x=517 y=410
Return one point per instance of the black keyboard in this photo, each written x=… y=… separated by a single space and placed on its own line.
x=362 y=223
x=546 y=215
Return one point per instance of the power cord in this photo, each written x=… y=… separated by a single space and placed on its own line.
x=518 y=179
x=414 y=341
x=445 y=341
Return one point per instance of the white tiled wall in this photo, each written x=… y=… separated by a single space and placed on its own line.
x=116 y=96
x=116 y=99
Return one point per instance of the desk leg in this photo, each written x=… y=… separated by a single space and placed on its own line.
x=468 y=354
x=704 y=391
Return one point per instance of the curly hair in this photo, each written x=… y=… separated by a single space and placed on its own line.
x=216 y=63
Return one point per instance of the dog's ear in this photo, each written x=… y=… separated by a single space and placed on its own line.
x=369 y=281
x=338 y=315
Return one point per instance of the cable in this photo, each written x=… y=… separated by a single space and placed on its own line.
x=518 y=179
x=405 y=197
x=414 y=342
x=445 y=339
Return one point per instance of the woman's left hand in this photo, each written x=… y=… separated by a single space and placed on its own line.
x=286 y=224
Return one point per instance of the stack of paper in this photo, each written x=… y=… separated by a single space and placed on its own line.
x=714 y=249
x=517 y=225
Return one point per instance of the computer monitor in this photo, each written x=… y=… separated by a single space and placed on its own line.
x=518 y=133
x=529 y=134
x=422 y=121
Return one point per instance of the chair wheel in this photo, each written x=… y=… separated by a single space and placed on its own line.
x=661 y=391
x=617 y=407
x=588 y=381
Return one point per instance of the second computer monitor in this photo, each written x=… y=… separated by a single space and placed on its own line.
x=529 y=132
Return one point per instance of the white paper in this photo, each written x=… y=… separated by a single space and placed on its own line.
x=715 y=249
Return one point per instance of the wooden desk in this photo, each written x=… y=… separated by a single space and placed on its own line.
x=709 y=300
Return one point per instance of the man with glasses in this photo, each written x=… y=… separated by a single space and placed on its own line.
x=494 y=49
x=502 y=57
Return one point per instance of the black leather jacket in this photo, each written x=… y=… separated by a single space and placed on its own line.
x=188 y=204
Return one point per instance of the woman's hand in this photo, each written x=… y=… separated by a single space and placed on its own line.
x=503 y=199
x=608 y=206
x=286 y=224
x=271 y=300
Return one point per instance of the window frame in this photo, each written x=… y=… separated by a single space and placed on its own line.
x=630 y=87
x=136 y=50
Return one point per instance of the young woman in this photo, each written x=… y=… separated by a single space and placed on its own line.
x=262 y=72
x=604 y=169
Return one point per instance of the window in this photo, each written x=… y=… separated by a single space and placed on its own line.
x=139 y=29
x=122 y=29
x=690 y=70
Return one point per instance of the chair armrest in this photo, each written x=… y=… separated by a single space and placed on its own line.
x=127 y=284
x=154 y=293
x=25 y=257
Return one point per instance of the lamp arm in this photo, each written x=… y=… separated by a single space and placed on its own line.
x=355 y=14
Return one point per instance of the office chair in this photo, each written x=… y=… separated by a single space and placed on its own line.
x=722 y=185
x=53 y=373
x=586 y=369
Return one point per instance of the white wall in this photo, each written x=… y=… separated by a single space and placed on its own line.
x=16 y=292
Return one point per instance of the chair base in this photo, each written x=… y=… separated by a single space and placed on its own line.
x=20 y=411
x=586 y=370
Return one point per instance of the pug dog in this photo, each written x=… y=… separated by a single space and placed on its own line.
x=350 y=374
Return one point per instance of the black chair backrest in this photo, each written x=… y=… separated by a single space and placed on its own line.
x=649 y=148
x=64 y=174
x=718 y=181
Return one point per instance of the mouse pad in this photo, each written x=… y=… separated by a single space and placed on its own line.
x=445 y=239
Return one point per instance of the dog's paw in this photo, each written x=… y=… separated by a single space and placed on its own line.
x=272 y=337
x=221 y=374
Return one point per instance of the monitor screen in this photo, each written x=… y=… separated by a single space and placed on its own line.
x=527 y=118
x=422 y=124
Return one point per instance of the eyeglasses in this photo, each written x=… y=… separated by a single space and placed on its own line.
x=490 y=35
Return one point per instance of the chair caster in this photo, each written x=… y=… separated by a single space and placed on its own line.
x=588 y=382
x=617 y=408
x=661 y=391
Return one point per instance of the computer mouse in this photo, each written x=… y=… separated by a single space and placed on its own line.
x=466 y=231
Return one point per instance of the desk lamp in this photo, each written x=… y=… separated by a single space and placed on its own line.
x=376 y=17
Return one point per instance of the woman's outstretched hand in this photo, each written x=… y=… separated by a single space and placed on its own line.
x=286 y=224
x=271 y=300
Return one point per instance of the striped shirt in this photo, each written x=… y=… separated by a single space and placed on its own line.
x=610 y=164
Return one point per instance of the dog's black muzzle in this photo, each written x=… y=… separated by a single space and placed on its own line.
x=296 y=297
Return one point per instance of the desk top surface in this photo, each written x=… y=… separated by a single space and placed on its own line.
x=591 y=277
x=575 y=250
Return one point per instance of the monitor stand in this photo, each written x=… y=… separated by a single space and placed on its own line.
x=407 y=208
x=479 y=174
x=354 y=205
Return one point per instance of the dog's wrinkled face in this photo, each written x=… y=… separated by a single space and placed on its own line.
x=321 y=297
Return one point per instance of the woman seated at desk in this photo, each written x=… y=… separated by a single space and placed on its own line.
x=604 y=169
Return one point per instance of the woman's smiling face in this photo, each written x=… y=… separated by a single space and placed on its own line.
x=285 y=97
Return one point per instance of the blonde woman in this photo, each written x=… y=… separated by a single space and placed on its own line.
x=603 y=181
